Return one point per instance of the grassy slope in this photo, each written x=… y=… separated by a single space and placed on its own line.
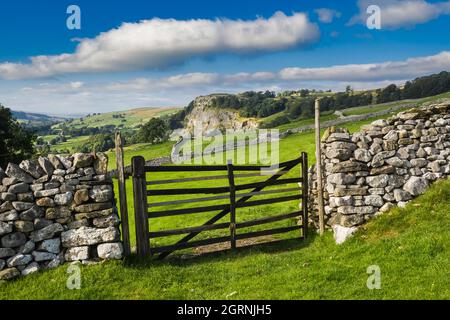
x=384 y=106
x=304 y=122
x=410 y=245
x=72 y=144
x=131 y=118
x=147 y=150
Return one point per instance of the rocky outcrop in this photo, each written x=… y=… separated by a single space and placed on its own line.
x=386 y=164
x=210 y=119
x=54 y=210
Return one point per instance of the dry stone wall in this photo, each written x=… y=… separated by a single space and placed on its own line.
x=55 y=210
x=387 y=163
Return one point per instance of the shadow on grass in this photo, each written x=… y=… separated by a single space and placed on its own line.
x=183 y=259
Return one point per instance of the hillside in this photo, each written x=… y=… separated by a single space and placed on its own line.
x=70 y=135
x=128 y=119
x=35 y=119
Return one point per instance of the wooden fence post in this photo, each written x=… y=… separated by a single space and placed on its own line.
x=122 y=195
x=232 y=204
x=319 y=169
x=140 y=206
x=305 y=193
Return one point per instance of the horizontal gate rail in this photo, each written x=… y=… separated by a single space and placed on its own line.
x=206 y=178
x=175 y=212
x=212 y=190
x=266 y=232
x=260 y=221
x=192 y=244
x=166 y=233
x=267 y=201
x=166 y=203
x=266 y=184
x=163 y=192
x=201 y=168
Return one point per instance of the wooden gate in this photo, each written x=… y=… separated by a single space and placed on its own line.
x=236 y=196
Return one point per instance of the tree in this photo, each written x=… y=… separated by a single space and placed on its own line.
x=40 y=141
x=304 y=93
x=16 y=142
x=348 y=89
x=154 y=131
x=388 y=94
x=99 y=142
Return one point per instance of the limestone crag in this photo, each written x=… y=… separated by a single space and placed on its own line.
x=209 y=119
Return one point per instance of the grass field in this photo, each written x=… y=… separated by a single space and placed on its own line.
x=304 y=122
x=384 y=106
x=72 y=144
x=147 y=150
x=127 y=118
x=410 y=246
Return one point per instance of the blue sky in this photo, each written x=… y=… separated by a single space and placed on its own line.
x=164 y=53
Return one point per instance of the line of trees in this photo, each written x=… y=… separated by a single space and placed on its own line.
x=419 y=88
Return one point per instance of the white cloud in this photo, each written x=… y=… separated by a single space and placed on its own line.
x=326 y=15
x=76 y=84
x=178 y=90
x=402 y=13
x=390 y=70
x=160 y=43
x=186 y=80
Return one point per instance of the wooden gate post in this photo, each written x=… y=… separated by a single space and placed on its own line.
x=122 y=195
x=305 y=193
x=232 y=204
x=140 y=206
x=319 y=169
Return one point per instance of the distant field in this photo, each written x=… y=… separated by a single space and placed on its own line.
x=304 y=122
x=384 y=106
x=147 y=150
x=356 y=111
x=122 y=120
x=128 y=119
x=72 y=144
